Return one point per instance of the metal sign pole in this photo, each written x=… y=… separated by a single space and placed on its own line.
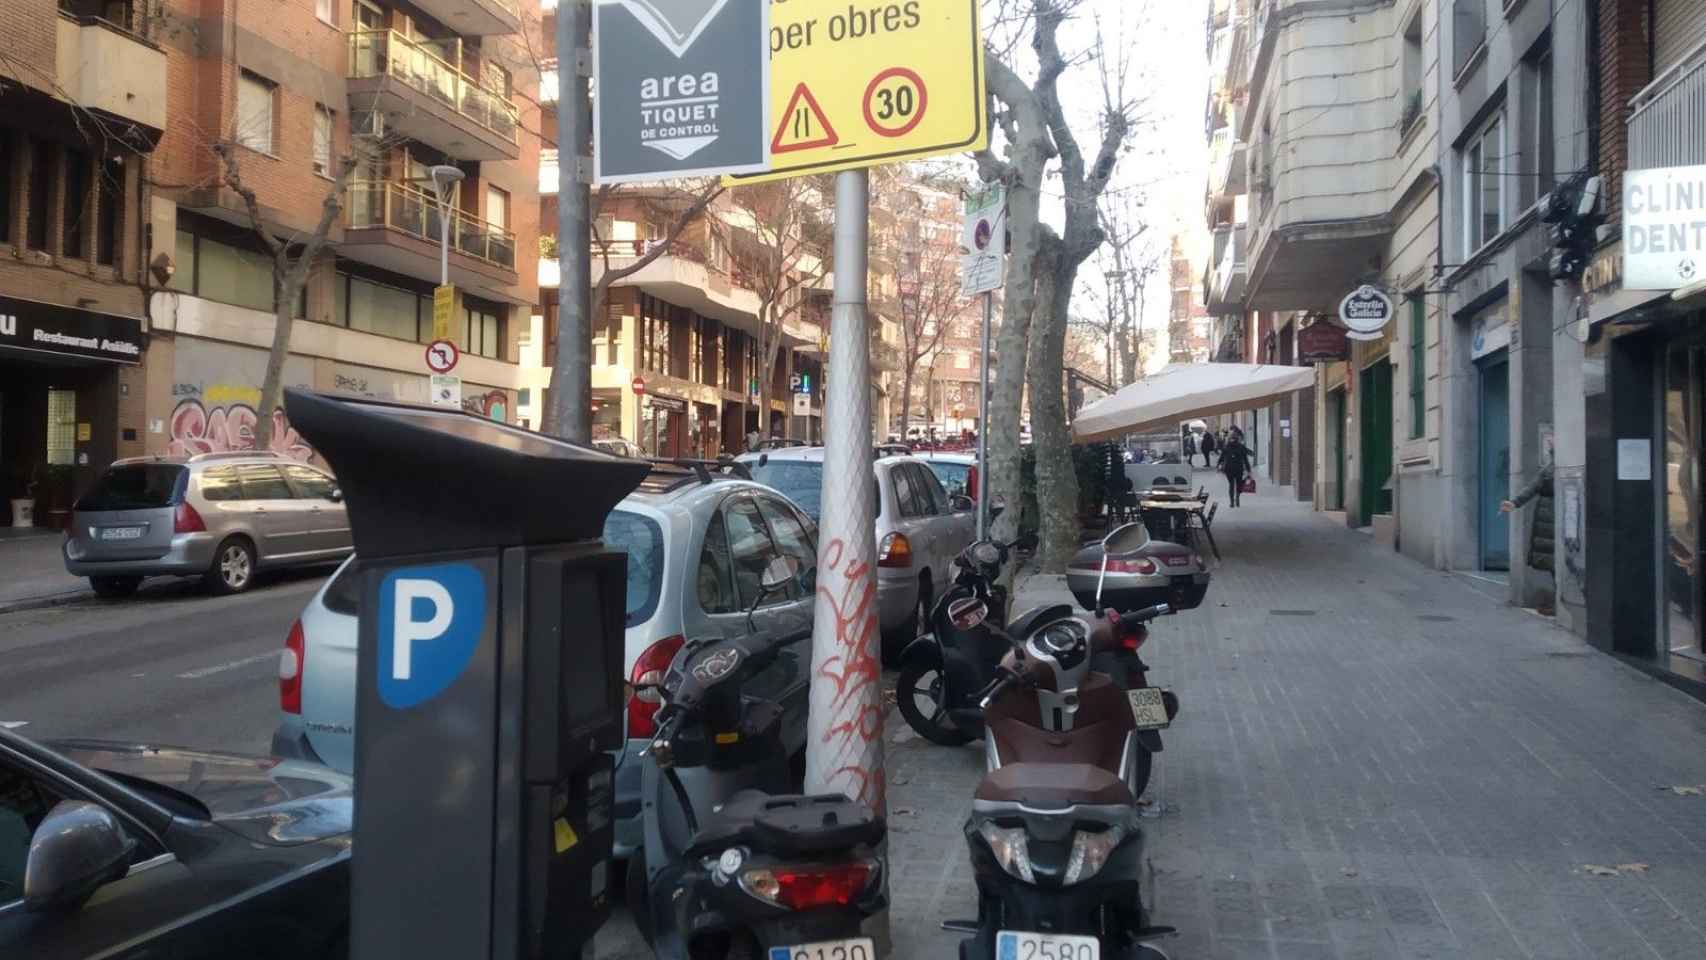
x=574 y=233
x=983 y=492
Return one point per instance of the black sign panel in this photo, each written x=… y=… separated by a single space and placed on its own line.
x=51 y=328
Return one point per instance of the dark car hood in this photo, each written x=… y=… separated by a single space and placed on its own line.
x=264 y=799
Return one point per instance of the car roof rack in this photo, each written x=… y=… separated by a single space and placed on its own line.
x=237 y=455
x=670 y=473
x=775 y=443
x=894 y=450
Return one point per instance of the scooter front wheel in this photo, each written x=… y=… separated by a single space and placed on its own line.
x=919 y=693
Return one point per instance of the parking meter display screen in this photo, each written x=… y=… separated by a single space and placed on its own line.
x=591 y=683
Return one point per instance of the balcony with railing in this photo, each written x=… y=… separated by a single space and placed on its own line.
x=422 y=91
x=101 y=65
x=1667 y=120
x=548 y=172
x=1226 y=286
x=475 y=18
x=397 y=226
x=685 y=274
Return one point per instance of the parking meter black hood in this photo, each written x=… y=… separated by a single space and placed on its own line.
x=482 y=483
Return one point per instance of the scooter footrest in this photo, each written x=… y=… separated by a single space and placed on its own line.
x=801 y=825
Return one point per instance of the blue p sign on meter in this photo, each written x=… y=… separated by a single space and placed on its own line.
x=430 y=618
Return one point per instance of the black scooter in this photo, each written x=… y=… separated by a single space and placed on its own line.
x=942 y=670
x=744 y=873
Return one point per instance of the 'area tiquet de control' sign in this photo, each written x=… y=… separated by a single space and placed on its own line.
x=682 y=88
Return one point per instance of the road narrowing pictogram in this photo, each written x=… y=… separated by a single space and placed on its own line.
x=803 y=124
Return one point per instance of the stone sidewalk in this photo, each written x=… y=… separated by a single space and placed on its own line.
x=1372 y=761
x=32 y=571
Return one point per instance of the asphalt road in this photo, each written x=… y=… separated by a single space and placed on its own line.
x=171 y=665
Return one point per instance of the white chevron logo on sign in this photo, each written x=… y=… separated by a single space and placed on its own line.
x=676 y=23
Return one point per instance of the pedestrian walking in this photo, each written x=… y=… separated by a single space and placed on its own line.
x=752 y=439
x=1190 y=447
x=1541 y=547
x=1235 y=463
x=1208 y=446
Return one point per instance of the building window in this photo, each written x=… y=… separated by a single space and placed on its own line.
x=496 y=78
x=482 y=333
x=223 y=272
x=1483 y=186
x=1536 y=130
x=7 y=160
x=1412 y=65
x=255 y=112
x=497 y=207
x=61 y=427
x=385 y=310
x=44 y=158
x=325 y=11
x=76 y=203
x=109 y=192
x=322 y=141
x=1468 y=31
x=1418 y=363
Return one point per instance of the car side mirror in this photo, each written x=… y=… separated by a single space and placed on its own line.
x=961 y=504
x=337 y=495
x=78 y=849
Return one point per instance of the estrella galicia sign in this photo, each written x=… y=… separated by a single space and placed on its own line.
x=430 y=618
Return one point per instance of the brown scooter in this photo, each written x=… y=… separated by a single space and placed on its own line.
x=1053 y=833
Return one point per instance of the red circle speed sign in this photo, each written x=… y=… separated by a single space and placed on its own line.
x=895 y=102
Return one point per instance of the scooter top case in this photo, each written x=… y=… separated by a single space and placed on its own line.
x=1157 y=572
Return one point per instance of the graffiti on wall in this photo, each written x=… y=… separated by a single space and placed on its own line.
x=221 y=418
x=493 y=404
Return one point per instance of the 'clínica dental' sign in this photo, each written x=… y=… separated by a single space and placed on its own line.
x=1366 y=312
x=1664 y=227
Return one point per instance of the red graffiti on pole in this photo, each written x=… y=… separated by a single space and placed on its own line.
x=852 y=592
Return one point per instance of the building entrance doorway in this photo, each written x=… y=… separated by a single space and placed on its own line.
x=1494 y=460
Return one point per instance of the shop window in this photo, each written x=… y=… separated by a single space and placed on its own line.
x=109 y=192
x=44 y=159
x=255 y=98
x=232 y=275
x=76 y=203
x=384 y=310
x=61 y=427
x=183 y=260
x=482 y=333
x=7 y=161
x=322 y=141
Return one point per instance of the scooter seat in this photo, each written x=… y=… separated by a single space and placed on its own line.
x=787 y=825
x=1053 y=786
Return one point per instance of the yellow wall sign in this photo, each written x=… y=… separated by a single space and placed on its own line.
x=862 y=84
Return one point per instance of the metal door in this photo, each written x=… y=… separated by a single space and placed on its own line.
x=1376 y=388
x=1494 y=460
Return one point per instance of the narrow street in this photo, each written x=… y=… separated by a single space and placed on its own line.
x=1374 y=760
x=171 y=665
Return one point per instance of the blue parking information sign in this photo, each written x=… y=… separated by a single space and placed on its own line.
x=430 y=619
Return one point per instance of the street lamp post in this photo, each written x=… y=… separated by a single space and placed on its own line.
x=444 y=180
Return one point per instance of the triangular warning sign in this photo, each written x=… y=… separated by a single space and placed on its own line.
x=804 y=125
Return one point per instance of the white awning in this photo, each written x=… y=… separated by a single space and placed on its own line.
x=1183 y=391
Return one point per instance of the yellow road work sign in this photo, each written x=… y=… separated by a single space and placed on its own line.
x=857 y=83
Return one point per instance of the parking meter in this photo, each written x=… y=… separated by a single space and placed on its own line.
x=489 y=685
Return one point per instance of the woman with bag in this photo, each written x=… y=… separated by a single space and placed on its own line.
x=1235 y=463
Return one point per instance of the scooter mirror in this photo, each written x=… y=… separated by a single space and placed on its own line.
x=1124 y=539
x=986 y=552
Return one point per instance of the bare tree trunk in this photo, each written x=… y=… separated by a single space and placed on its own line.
x=1057 y=481
x=272 y=384
x=1008 y=393
x=905 y=402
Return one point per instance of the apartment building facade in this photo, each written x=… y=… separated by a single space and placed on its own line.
x=83 y=105
x=1190 y=326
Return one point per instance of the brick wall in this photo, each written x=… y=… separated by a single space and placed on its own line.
x=1624 y=68
x=31 y=41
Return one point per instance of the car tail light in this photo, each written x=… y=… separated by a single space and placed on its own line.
x=648 y=671
x=801 y=888
x=1142 y=565
x=186 y=520
x=895 y=551
x=971 y=483
x=290 y=671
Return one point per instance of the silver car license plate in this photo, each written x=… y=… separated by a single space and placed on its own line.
x=121 y=533
x=1024 y=945
x=1148 y=708
x=859 y=948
